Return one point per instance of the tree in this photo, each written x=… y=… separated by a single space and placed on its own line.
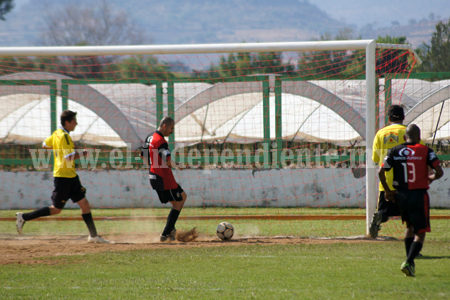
x=81 y=25
x=392 y=60
x=272 y=63
x=233 y=65
x=387 y=60
x=436 y=57
x=78 y=25
x=141 y=67
x=5 y=7
x=431 y=16
x=322 y=64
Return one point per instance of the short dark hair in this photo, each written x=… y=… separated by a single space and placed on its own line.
x=166 y=121
x=68 y=116
x=396 y=113
x=413 y=132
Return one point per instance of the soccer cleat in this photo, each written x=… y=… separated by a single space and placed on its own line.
x=98 y=240
x=170 y=237
x=375 y=225
x=408 y=269
x=19 y=222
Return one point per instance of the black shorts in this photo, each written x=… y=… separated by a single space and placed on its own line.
x=415 y=208
x=170 y=195
x=390 y=209
x=65 y=189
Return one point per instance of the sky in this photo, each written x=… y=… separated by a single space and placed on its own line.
x=382 y=11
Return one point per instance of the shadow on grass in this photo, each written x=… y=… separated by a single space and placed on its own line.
x=432 y=257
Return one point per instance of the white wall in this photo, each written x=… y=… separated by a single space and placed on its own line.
x=242 y=188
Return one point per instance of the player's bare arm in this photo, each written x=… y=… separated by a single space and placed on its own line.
x=389 y=194
x=438 y=173
x=172 y=165
x=77 y=155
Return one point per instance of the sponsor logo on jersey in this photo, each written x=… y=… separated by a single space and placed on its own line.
x=406 y=152
x=407 y=158
x=390 y=138
x=399 y=158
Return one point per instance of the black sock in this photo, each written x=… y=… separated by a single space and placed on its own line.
x=413 y=252
x=171 y=220
x=408 y=243
x=90 y=224
x=41 y=212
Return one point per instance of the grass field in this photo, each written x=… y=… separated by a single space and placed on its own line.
x=258 y=267
x=369 y=270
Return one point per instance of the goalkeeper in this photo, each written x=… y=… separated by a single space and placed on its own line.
x=385 y=139
x=161 y=177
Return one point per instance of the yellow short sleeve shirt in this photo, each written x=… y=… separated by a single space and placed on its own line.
x=63 y=147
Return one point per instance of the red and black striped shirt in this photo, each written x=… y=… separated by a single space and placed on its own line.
x=161 y=176
x=410 y=162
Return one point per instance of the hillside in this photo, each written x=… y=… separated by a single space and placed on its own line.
x=203 y=21
x=210 y=21
x=193 y=21
x=416 y=33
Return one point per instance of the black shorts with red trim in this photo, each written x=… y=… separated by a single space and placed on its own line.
x=65 y=189
x=389 y=208
x=170 y=195
x=415 y=208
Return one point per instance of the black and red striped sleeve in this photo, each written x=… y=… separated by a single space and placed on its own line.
x=432 y=159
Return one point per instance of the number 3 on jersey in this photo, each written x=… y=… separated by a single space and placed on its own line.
x=411 y=171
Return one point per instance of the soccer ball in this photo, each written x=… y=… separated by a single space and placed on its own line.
x=225 y=231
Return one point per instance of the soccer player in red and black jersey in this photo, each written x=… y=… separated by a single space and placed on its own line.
x=410 y=163
x=161 y=176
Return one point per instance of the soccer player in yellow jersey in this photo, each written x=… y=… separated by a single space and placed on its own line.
x=67 y=183
x=385 y=139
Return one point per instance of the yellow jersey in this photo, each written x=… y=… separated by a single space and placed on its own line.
x=385 y=139
x=63 y=147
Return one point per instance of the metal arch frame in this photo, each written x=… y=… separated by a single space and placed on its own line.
x=427 y=103
x=127 y=132
x=299 y=88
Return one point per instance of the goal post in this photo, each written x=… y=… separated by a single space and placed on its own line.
x=313 y=63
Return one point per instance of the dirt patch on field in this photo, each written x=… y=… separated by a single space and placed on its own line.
x=39 y=249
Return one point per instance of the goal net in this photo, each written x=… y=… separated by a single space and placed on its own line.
x=273 y=137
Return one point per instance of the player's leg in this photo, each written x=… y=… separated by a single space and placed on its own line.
x=418 y=226
x=408 y=267
x=177 y=199
x=378 y=216
x=409 y=239
x=87 y=216
x=78 y=196
x=89 y=221
x=178 y=205
x=59 y=199
x=419 y=239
